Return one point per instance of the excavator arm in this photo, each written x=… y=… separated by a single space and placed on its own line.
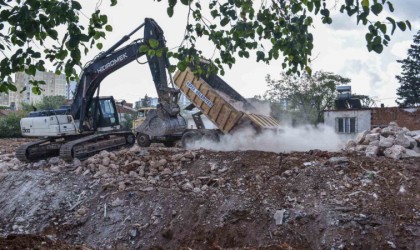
x=113 y=59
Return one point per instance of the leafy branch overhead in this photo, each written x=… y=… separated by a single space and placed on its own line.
x=268 y=30
x=275 y=29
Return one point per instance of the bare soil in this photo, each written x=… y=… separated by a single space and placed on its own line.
x=210 y=200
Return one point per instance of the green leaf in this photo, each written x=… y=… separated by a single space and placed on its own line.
x=260 y=56
x=143 y=48
x=104 y=19
x=185 y=2
x=376 y=8
x=224 y=21
x=390 y=6
x=108 y=28
x=402 y=25
x=308 y=70
x=392 y=21
x=153 y=43
x=214 y=13
x=12 y=87
x=113 y=2
x=365 y=3
x=378 y=48
x=170 y=11
x=368 y=37
x=99 y=46
x=151 y=52
x=182 y=66
x=76 y=5
x=408 y=24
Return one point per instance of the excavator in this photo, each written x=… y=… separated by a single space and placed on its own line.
x=91 y=123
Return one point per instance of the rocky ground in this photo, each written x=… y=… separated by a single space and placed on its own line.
x=160 y=198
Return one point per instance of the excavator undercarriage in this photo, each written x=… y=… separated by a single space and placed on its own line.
x=80 y=146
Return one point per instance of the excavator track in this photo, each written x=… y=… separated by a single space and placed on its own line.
x=38 y=150
x=87 y=146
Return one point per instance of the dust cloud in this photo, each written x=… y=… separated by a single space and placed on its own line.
x=285 y=140
x=261 y=108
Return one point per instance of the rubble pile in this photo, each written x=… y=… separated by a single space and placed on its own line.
x=144 y=168
x=392 y=142
x=165 y=198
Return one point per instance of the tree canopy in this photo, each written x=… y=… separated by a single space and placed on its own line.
x=271 y=30
x=306 y=95
x=409 y=91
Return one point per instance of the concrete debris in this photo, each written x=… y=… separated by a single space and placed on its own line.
x=279 y=216
x=410 y=153
x=386 y=142
x=187 y=187
x=372 y=151
x=392 y=142
x=117 y=202
x=395 y=152
x=54 y=160
x=173 y=198
x=338 y=160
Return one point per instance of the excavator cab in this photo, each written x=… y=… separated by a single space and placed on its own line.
x=106 y=115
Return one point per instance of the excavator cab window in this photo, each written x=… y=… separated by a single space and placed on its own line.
x=106 y=114
x=141 y=114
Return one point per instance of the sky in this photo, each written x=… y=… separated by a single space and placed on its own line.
x=339 y=48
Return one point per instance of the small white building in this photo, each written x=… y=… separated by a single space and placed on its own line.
x=347 y=123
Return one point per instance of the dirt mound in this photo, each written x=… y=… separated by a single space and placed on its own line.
x=20 y=242
x=173 y=198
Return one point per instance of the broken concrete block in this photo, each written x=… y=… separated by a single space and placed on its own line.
x=417 y=138
x=374 y=143
x=187 y=187
x=117 y=202
x=410 y=153
x=106 y=161
x=376 y=130
x=338 y=160
x=372 y=151
x=386 y=142
x=361 y=147
x=40 y=164
x=372 y=137
x=390 y=130
x=405 y=141
x=104 y=153
x=350 y=145
x=278 y=216
x=394 y=152
x=54 y=160
x=361 y=137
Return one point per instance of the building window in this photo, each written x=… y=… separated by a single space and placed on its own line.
x=346 y=125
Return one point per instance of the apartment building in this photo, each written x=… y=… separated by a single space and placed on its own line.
x=54 y=85
x=4 y=100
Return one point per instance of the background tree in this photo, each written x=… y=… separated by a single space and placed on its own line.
x=409 y=91
x=271 y=30
x=127 y=122
x=10 y=124
x=51 y=102
x=365 y=100
x=304 y=97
